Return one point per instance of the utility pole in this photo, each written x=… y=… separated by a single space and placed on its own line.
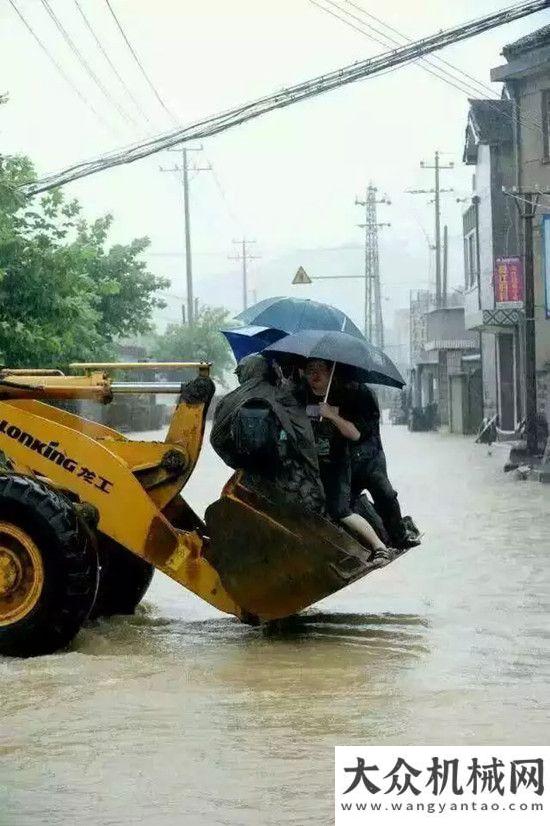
x=530 y=334
x=527 y=204
x=445 y=266
x=244 y=256
x=184 y=171
x=437 y=192
x=374 y=322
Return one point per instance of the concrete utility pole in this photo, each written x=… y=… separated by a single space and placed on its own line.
x=244 y=256
x=184 y=170
x=374 y=322
x=437 y=192
x=527 y=204
x=530 y=332
x=445 y=266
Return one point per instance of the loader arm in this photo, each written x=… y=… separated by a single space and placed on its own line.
x=128 y=482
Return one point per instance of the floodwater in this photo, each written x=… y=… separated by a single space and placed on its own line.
x=181 y=715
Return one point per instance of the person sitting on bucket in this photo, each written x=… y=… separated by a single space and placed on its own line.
x=261 y=429
x=368 y=464
x=334 y=434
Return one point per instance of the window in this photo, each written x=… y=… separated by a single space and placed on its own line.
x=546 y=124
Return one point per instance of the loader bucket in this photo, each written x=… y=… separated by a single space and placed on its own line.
x=275 y=560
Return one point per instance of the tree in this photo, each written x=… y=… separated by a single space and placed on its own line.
x=200 y=341
x=63 y=294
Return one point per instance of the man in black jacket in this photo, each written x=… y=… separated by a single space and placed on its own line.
x=368 y=462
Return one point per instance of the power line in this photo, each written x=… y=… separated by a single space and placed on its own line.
x=140 y=65
x=111 y=64
x=286 y=97
x=59 y=68
x=232 y=214
x=435 y=61
x=68 y=39
x=385 y=43
x=437 y=71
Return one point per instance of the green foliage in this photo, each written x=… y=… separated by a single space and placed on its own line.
x=201 y=341
x=63 y=294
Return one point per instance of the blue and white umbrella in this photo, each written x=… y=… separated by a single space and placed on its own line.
x=247 y=340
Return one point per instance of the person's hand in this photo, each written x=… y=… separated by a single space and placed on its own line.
x=327 y=411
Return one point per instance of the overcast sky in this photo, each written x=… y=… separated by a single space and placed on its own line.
x=289 y=178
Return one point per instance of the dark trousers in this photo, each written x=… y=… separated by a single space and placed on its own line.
x=369 y=473
x=336 y=479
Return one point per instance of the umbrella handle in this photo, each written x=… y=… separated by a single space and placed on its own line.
x=329 y=386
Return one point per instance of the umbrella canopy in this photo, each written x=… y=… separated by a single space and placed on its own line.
x=371 y=363
x=293 y=314
x=247 y=340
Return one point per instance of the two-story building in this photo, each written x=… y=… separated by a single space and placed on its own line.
x=526 y=79
x=441 y=349
x=492 y=298
x=508 y=146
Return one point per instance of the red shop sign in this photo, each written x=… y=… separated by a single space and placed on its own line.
x=508 y=279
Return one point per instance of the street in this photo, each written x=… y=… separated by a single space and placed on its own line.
x=182 y=715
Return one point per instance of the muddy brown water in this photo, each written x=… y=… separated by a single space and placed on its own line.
x=180 y=715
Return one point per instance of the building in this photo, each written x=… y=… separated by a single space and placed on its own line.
x=442 y=348
x=491 y=246
x=526 y=79
x=422 y=379
x=447 y=343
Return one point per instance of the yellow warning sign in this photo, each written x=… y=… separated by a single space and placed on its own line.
x=301 y=277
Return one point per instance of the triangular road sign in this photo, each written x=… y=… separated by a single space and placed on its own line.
x=301 y=277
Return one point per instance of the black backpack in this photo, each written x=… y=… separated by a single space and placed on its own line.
x=255 y=434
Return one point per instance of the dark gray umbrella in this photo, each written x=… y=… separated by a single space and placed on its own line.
x=371 y=364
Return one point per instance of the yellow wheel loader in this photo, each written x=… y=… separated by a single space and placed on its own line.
x=86 y=515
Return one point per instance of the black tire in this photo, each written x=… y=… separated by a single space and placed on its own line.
x=123 y=579
x=70 y=568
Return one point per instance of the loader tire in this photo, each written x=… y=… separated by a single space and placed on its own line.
x=48 y=569
x=123 y=579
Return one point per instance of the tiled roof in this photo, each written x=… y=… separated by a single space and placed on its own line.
x=492 y=120
x=535 y=40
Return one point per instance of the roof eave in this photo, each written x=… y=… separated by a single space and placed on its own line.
x=522 y=66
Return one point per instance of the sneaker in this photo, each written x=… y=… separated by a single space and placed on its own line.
x=381 y=556
x=411 y=541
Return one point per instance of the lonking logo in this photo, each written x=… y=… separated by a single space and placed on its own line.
x=52 y=452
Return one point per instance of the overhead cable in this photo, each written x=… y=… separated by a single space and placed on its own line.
x=436 y=60
x=58 y=67
x=286 y=97
x=82 y=60
x=440 y=72
x=140 y=65
x=110 y=62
